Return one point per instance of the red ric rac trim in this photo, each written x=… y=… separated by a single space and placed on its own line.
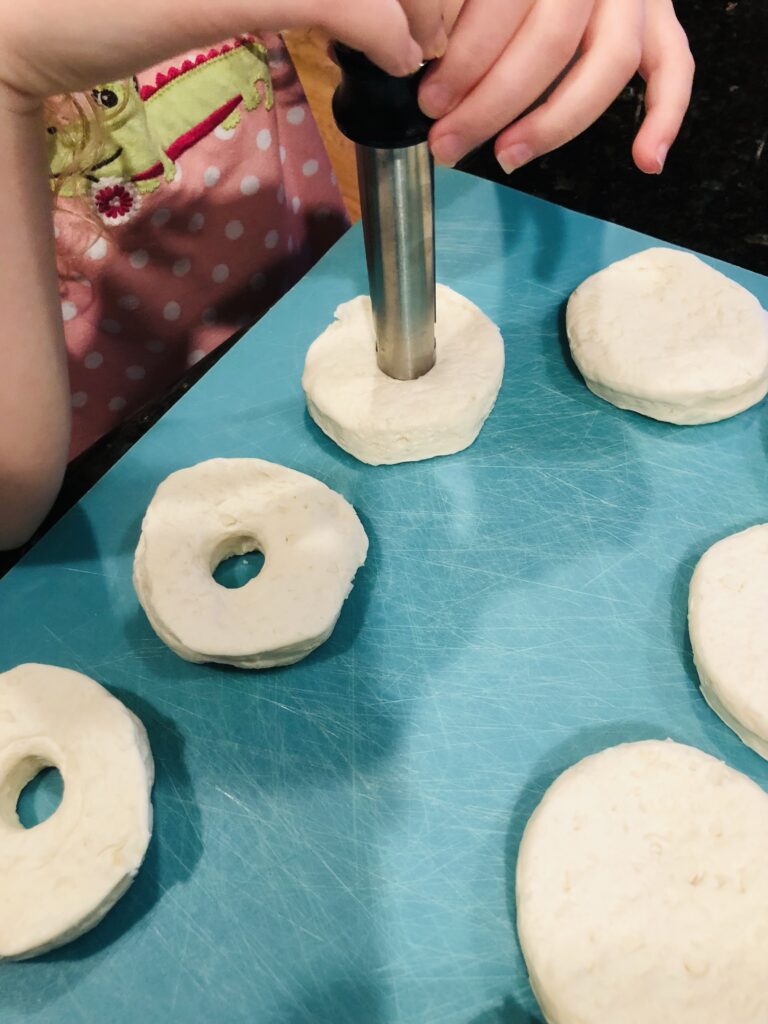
x=163 y=78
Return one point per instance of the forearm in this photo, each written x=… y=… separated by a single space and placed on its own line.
x=34 y=392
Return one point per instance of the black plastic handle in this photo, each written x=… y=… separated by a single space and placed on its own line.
x=375 y=109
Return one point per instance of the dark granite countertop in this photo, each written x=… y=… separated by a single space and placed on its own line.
x=711 y=197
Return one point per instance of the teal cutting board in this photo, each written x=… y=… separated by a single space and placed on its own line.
x=335 y=842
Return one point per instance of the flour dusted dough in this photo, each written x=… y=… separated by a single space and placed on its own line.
x=642 y=891
x=383 y=421
x=59 y=879
x=312 y=542
x=665 y=335
x=728 y=623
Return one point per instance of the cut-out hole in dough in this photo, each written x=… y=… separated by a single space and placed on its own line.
x=237 y=570
x=40 y=798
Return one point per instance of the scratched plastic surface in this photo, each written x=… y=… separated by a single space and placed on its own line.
x=336 y=842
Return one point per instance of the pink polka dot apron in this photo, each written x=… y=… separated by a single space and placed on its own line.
x=216 y=196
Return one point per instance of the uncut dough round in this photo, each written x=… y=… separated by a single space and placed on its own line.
x=642 y=891
x=59 y=879
x=665 y=335
x=312 y=542
x=383 y=421
x=728 y=625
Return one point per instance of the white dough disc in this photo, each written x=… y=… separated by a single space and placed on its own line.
x=728 y=624
x=382 y=421
x=312 y=542
x=665 y=335
x=59 y=879
x=642 y=891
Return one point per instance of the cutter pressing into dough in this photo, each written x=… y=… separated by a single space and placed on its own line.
x=381 y=115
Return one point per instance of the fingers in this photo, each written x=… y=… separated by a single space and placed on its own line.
x=610 y=56
x=427 y=27
x=544 y=44
x=668 y=68
x=481 y=33
x=451 y=11
x=377 y=27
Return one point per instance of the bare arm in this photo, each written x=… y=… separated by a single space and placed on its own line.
x=34 y=392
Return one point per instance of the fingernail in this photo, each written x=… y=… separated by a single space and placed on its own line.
x=448 y=149
x=661 y=156
x=439 y=44
x=413 y=59
x=435 y=100
x=514 y=156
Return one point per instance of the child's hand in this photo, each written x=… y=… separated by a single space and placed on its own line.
x=48 y=47
x=503 y=55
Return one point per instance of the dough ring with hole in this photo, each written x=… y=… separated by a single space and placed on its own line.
x=728 y=624
x=642 y=891
x=59 y=879
x=664 y=334
x=383 y=421
x=312 y=542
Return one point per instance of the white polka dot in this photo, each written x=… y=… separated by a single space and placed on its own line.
x=129 y=302
x=117 y=404
x=139 y=259
x=223 y=133
x=211 y=176
x=281 y=195
x=135 y=373
x=271 y=239
x=283 y=154
x=295 y=204
x=290 y=244
x=295 y=115
x=182 y=267
x=250 y=185
x=155 y=345
x=56 y=232
x=171 y=311
x=220 y=273
x=196 y=222
x=93 y=360
x=234 y=230
x=256 y=281
x=195 y=356
x=110 y=326
x=179 y=177
x=309 y=168
x=98 y=250
x=209 y=315
x=68 y=310
x=78 y=399
x=161 y=217
x=264 y=139
x=333 y=177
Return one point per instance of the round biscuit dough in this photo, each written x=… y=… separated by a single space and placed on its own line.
x=642 y=891
x=383 y=421
x=663 y=334
x=312 y=541
x=728 y=625
x=59 y=879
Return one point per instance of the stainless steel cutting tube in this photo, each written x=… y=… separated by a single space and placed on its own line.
x=396 y=194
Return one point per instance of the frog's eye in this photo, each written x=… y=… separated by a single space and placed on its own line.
x=107 y=98
x=51 y=129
